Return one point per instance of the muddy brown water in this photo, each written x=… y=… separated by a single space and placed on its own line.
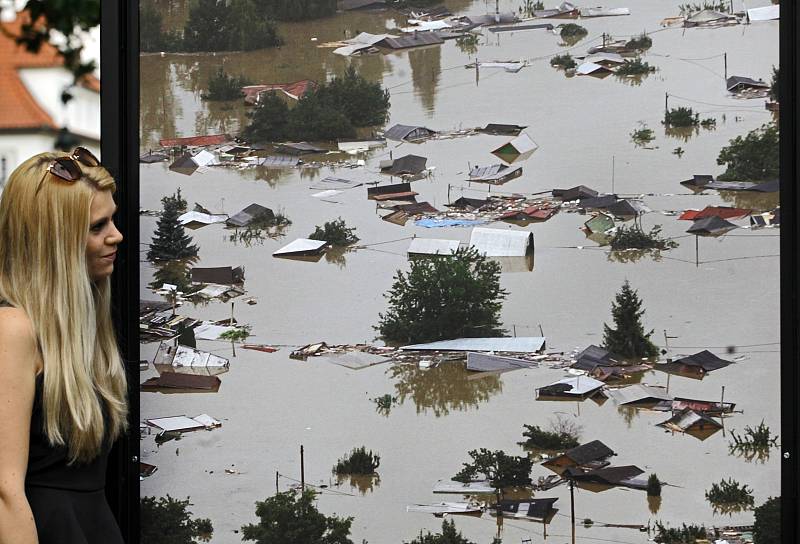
x=270 y=404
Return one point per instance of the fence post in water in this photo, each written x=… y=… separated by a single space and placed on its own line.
x=666 y=107
x=726 y=54
x=696 y=250
x=541 y=331
x=302 y=469
x=277 y=475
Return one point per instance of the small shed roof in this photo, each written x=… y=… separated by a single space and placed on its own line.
x=402 y=132
x=623 y=475
x=637 y=394
x=301 y=246
x=468 y=203
x=687 y=420
x=278 y=161
x=725 y=212
x=600 y=223
x=175 y=423
x=408 y=164
x=494 y=173
x=608 y=58
x=598 y=202
x=501 y=242
x=591 y=68
x=248 y=214
x=202 y=218
x=628 y=208
x=711 y=226
x=391 y=189
x=591 y=451
x=298 y=148
x=539 y=509
x=578 y=386
x=705 y=360
x=521 y=145
x=516 y=344
x=176 y=380
x=578 y=192
x=594 y=356
x=734 y=82
x=481 y=362
x=416 y=39
x=707 y=16
x=221 y=275
x=431 y=246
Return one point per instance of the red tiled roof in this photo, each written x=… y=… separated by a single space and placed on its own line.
x=18 y=108
x=293 y=90
x=211 y=139
x=720 y=211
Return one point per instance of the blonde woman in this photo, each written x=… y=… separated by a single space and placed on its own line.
x=62 y=383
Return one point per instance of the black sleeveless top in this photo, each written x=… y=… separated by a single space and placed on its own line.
x=68 y=501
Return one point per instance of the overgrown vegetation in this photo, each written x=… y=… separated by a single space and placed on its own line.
x=754 y=157
x=440 y=299
x=468 y=43
x=721 y=6
x=730 y=496
x=642 y=135
x=563 y=435
x=222 y=86
x=635 y=67
x=170 y=241
x=152 y=35
x=684 y=117
x=685 y=534
x=449 y=535
x=642 y=42
x=332 y=111
x=628 y=338
x=773 y=84
x=237 y=334
x=168 y=521
x=634 y=237
x=173 y=273
x=292 y=518
x=653 y=486
x=264 y=225
x=564 y=61
x=767 y=525
x=358 y=461
x=385 y=403
x=335 y=232
x=529 y=6
x=572 y=33
x=754 y=443
x=502 y=470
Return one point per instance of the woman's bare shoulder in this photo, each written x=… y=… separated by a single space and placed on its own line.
x=17 y=339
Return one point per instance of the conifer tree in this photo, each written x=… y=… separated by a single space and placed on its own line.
x=170 y=241
x=628 y=338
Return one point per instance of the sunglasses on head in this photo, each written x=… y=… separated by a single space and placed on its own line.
x=67 y=168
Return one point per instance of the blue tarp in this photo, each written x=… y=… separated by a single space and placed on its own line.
x=433 y=223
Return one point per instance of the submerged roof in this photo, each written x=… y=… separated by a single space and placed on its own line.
x=494 y=173
x=579 y=385
x=591 y=451
x=594 y=356
x=579 y=192
x=637 y=393
x=705 y=360
x=301 y=246
x=415 y=39
x=211 y=139
x=481 y=362
x=402 y=132
x=515 y=344
x=521 y=145
x=687 y=419
x=247 y=215
x=408 y=164
x=711 y=225
x=623 y=475
x=501 y=242
x=432 y=246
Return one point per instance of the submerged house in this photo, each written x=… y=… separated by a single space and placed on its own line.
x=188 y=163
x=709 y=17
x=499 y=129
x=520 y=148
x=174 y=382
x=711 y=226
x=693 y=423
x=431 y=246
x=395 y=191
x=579 y=387
x=724 y=212
x=220 y=275
x=622 y=476
x=468 y=204
x=408 y=165
x=698 y=182
x=591 y=455
x=694 y=366
x=408 y=133
x=595 y=356
x=565 y=10
x=578 y=192
x=637 y=394
x=751 y=87
x=301 y=247
x=501 y=243
x=250 y=214
x=496 y=174
x=184 y=356
x=540 y=510
x=503 y=344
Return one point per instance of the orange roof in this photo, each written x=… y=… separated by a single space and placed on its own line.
x=211 y=139
x=18 y=109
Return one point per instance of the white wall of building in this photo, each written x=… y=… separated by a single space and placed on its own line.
x=16 y=148
x=81 y=115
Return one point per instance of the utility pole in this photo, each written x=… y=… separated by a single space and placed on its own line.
x=302 y=469
x=572 y=506
x=666 y=341
x=277 y=474
x=613 y=171
x=666 y=105
x=726 y=54
x=541 y=331
x=696 y=250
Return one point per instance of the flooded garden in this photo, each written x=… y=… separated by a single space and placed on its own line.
x=566 y=183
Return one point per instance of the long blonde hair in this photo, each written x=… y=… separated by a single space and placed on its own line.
x=44 y=226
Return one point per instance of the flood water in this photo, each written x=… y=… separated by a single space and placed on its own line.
x=270 y=404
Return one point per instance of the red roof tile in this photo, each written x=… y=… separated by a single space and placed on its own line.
x=211 y=139
x=18 y=108
x=724 y=212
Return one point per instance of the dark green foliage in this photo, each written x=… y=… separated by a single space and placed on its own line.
x=152 y=36
x=635 y=238
x=502 y=470
x=571 y=30
x=536 y=438
x=269 y=120
x=635 y=67
x=298 y=10
x=222 y=86
x=449 y=535
x=754 y=444
x=721 y=6
x=174 y=273
x=358 y=461
x=730 y=496
x=335 y=232
x=686 y=534
x=70 y=19
x=264 y=225
x=767 y=526
x=773 y=85
x=529 y=6
x=640 y=42
x=363 y=103
x=564 y=61
x=237 y=334
x=167 y=521
x=331 y=112
x=753 y=157
x=241 y=25
x=628 y=338
x=292 y=518
x=681 y=117
x=170 y=241
x=468 y=43
x=642 y=136
x=385 y=403
x=653 y=486
x=445 y=298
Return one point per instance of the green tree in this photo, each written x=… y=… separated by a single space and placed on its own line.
x=310 y=119
x=359 y=461
x=653 y=486
x=767 y=526
x=773 y=85
x=536 y=438
x=168 y=521
x=628 y=337
x=364 y=103
x=222 y=86
x=292 y=518
x=170 y=241
x=152 y=35
x=449 y=535
x=754 y=157
x=502 y=470
x=216 y=25
x=299 y=10
x=444 y=298
x=268 y=121
x=335 y=232
x=174 y=273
